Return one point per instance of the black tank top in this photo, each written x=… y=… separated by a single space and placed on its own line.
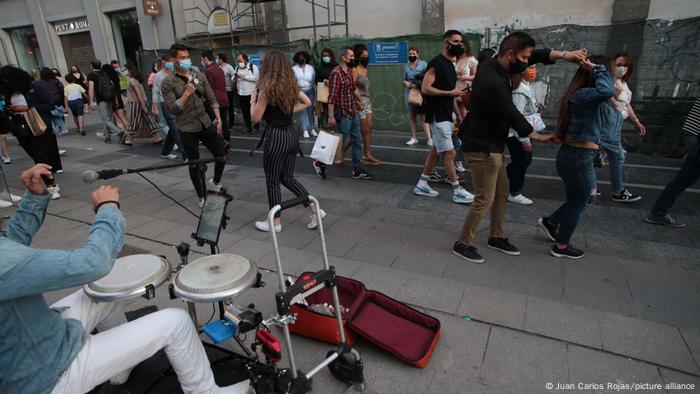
x=275 y=117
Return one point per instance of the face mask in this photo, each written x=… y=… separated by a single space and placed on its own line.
x=412 y=58
x=364 y=61
x=620 y=71
x=302 y=61
x=170 y=66
x=530 y=74
x=218 y=61
x=326 y=59
x=518 y=67
x=241 y=65
x=185 y=64
x=455 y=49
x=352 y=63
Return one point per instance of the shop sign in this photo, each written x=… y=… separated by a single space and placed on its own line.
x=152 y=8
x=388 y=52
x=72 y=26
x=219 y=22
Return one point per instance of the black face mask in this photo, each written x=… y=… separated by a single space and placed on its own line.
x=412 y=58
x=518 y=67
x=455 y=49
x=364 y=61
x=352 y=63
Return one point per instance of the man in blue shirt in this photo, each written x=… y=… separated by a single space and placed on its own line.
x=51 y=350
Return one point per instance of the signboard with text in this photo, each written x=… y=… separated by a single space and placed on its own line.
x=388 y=52
x=72 y=26
x=255 y=59
x=152 y=8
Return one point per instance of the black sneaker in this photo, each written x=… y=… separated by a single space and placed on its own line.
x=467 y=253
x=665 y=221
x=361 y=174
x=502 y=245
x=320 y=168
x=568 y=252
x=435 y=177
x=549 y=228
x=625 y=196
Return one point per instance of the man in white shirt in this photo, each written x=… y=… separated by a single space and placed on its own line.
x=229 y=73
x=246 y=79
x=306 y=77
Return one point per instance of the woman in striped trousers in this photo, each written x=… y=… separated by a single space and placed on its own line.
x=139 y=116
x=278 y=98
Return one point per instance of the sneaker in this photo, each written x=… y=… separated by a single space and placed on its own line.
x=460 y=168
x=502 y=245
x=6 y=160
x=467 y=252
x=265 y=226
x=549 y=229
x=625 y=196
x=412 y=141
x=361 y=174
x=460 y=195
x=314 y=220
x=216 y=187
x=665 y=221
x=100 y=135
x=430 y=142
x=568 y=252
x=53 y=191
x=437 y=178
x=306 y=134
x=425 y=191
x=61 y=152
x=519 y=199
x=59 y=171
x=320 y=168
x=314 y=133
x=169 y=156
x=82 y=132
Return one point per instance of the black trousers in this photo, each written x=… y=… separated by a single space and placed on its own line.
x=225 y=125
x=213 y=142
x=519 y=162
x=43 y=149
x=279 y=154
x=231 y=106
x=244 y=103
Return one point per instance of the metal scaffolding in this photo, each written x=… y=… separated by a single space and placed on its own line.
x=331 y=8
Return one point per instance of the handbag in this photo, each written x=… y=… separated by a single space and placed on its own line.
x=325 y=147
x=415 y=97
x=536 y=121
x=35 y=122
x=322 y=92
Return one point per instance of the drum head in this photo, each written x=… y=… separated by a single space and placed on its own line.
x=129 y=274
x=213 y=278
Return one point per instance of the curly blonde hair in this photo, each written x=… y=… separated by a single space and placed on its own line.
x=277 y=81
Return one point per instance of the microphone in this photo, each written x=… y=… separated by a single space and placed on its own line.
x=90 y=176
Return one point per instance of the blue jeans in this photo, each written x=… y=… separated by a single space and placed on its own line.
x=616 y=158
x=575 y=167
x=686 y=177
x=173 y=136
x=351 y=129
x=308 y=116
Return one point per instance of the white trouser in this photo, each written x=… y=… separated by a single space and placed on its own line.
x=120 y=346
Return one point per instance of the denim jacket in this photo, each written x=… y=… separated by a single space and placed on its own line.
x=36 y=344
x=592 y=118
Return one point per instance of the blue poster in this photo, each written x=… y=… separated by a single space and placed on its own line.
x=255 y=59
x=388 y=52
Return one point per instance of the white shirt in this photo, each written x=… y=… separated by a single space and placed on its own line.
x=525 y=102
x=229 y=73
x=621 y=101
x=247 y=79
x=306 y=76
x=18 y=99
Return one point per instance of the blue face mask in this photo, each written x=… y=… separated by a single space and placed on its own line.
x=186 y=64
x=326 y=59
x=170 y=66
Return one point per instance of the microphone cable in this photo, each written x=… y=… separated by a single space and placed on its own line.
x=164 y=194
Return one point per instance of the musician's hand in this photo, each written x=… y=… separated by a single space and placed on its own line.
x=32 y=180
x=103 y=194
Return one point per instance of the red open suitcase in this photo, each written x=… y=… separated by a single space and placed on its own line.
x=395 y=327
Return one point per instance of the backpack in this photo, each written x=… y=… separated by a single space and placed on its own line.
x=105 y=87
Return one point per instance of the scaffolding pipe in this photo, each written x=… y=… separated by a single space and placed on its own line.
x=313 y=17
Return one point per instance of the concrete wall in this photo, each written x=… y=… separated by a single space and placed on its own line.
x=673 y=9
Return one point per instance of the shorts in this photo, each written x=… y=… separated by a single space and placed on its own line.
x=442 y=136
x=76 y=107
x=367 y=108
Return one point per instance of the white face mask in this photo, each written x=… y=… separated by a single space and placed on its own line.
x=620 y=71
x=241 y=65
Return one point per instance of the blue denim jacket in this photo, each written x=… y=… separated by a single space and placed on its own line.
x=36 y=344
x=592 y=118
x=410 y=74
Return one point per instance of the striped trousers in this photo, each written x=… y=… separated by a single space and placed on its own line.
x=279 y=154
x=137 y=115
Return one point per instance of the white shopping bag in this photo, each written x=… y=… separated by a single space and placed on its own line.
x=325 y=147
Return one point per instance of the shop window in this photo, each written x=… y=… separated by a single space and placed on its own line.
x=127 y=37
x=26 y=48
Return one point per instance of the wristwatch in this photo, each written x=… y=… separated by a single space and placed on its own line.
x=563 y=53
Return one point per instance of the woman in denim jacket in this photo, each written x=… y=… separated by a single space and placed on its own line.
x=585 y=122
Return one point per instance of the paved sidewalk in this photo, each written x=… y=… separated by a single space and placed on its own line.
x=627 y=313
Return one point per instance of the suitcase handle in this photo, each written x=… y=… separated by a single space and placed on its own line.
x=293 y=202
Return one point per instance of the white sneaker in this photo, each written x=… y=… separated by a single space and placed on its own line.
x=61 y=152
x=461 y=196
x=264 y=226
x=314 y=133
x=59 y=171
x=53 y=191
x=201 y=202
x=100 y=135
x=5 y=204
x=430 y=142
x=15 y=198
x=519 y=199
x=314 y=220
x=214 y=186
x=169 y=156
x=460 y=167
x=306 y=134
x=425 y=191
x=174 y=148
x=6 y=160
x=412 y=141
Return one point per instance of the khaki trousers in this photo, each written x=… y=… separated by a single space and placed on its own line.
x=490 y=184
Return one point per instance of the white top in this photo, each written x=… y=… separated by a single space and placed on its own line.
x=306 y=76
x=467 y=67
x=229 y=73
x=247 y=79
x=622 y=100
x=526 y=103
x=18 y=99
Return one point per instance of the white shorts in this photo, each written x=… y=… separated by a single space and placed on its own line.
x=442 y=136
